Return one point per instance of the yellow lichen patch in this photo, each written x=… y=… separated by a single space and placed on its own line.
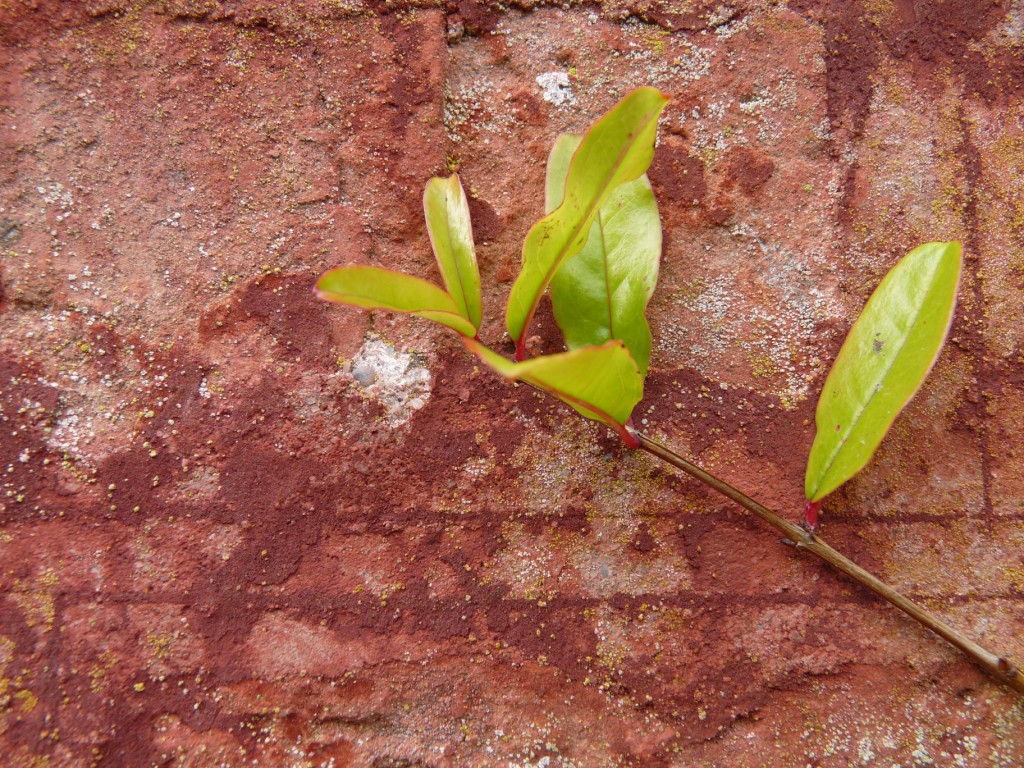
x=613 y=644
x=1007 y=166
x=689 y=292
x=949 y=205
x=159 y=645
x=25 y=700
x=36 y=599
x=1014 y=574
x=389 y=590
x=16 y=699
x=761 y=365
x=879 y=13
x=98 y=671
x=656 y=39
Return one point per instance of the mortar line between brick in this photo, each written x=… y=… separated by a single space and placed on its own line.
x=984 y=370
x=682 y=598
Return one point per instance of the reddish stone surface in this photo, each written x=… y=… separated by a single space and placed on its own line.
x=236 y=528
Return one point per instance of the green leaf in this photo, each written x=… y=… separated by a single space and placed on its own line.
x=451 y=236
x=376 y=288
x=601 y=293
x=602 y=383
x=617 y=148
x=887 y=354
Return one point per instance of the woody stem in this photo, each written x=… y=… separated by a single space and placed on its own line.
x=999 y=667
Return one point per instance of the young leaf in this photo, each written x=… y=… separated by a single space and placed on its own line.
x=887 y=354
x=617 y=148
x=601 y=292
x=451 y=236
x=376 y=288
x=602 y=383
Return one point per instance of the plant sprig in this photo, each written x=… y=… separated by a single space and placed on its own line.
x=598 y=249
x=599 y=176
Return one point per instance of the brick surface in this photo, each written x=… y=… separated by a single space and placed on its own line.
x=230 y=534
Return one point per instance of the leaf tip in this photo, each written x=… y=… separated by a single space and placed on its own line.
x=651 y=90
x=958 y=250
x=318 y=287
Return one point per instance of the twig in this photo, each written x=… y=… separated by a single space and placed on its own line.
x=997 y=666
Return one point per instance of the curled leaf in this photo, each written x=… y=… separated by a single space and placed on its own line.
x=601 y=293
x=617 y=148
x=451 y=235
x=888 y=353
x=376 y=288
x=602 y=382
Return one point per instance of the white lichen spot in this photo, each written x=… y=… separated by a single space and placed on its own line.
x=920 y=755
x=555 y=88
x=397 y=380
x=865 y=752
x=55 y=194
x=667 y=64
x=726 y=22
x=476 y=468
x=466 y=105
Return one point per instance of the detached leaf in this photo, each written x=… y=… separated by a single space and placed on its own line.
x=375 y=288
x=451 y=236
x=602 y=383
x=618 y=148
x=601 y=293
x=886 y=356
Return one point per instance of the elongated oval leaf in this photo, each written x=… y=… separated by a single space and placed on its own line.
x=617 y=148
x=887 y=354
x=376 y=288
x=451 y=236
x=601 y=293
x=602 y=382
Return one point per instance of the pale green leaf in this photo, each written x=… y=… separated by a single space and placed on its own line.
x=618 y=148
x=376 y=288
x=601 y=293
x=889 y=351
x=451 y=236
x=602 y=383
